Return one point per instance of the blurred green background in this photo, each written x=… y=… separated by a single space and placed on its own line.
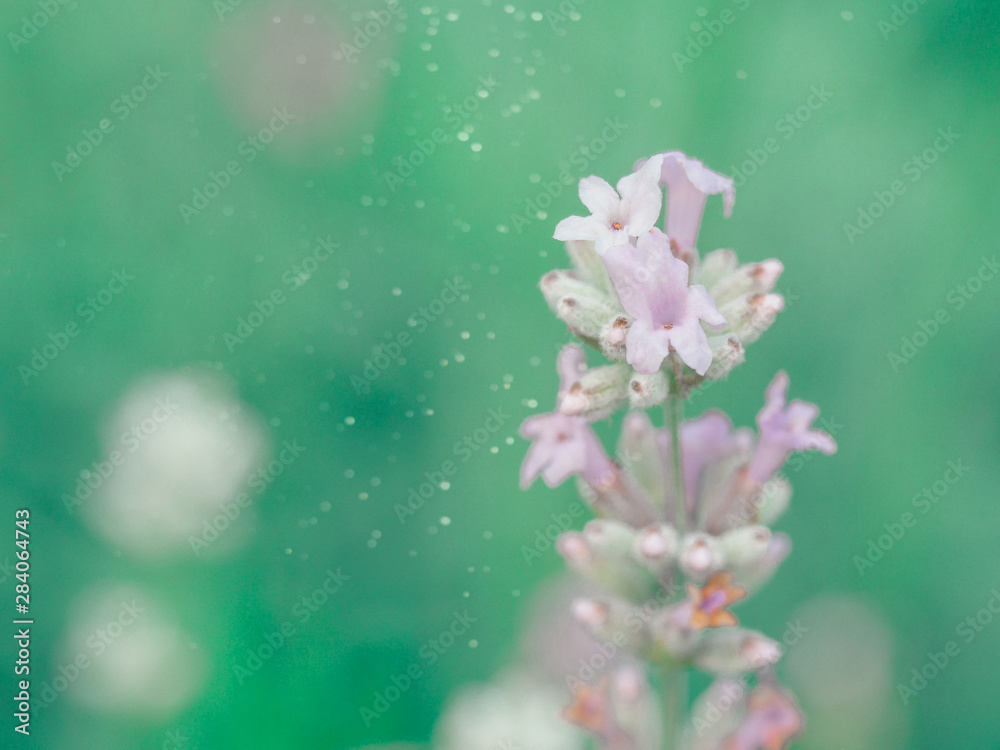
x=509 y=97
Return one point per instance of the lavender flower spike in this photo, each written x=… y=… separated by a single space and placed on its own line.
x=652 y=285
x=687 y=507
x=615 y=220
x=689 y=183
x=783 y=429
x=564 y=445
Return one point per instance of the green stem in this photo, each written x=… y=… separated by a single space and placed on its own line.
x=675 y=686
x=674 y=414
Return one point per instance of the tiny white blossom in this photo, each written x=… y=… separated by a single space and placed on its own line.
x=616 y=216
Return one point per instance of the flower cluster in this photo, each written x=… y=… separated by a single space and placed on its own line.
x=683 y=513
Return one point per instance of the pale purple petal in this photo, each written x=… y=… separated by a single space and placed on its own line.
x=775 y=396
x=666 y=279
x=772 y=720
x=598 y=468
x=533 y=428
x=562 y=446
x=702 y=306
x=703 y=441
x=783 y=429
x=580 y=228
x=651 y=283
x=689 y=183
x=570 y=364
x=691 y=344
x=598 y=196
x=534 y=460
x=565 y=460
x=646 y=348
x=626 y=265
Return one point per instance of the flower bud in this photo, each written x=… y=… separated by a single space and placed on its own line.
x=558 y=284
x=735 y=650
x=657 y=542
x=656 y=547
x=618 y=498
x=674 y=638
x=639 y=452
x=585 y=316
x=701 y=555
x=588 y=263
x=636 y=706
x=752 y=314
x=746 y=545
x=727 y=354
x=717 y=712
x=613 y=338
x=591 y=613
x=649 y=390
x=573 y=548
x=610 y=621
x=775 y=494
x=753 y=278
x=610 y=538
x=713 y=268
x=599 y=390
x=601 y=554
x=755 y=575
